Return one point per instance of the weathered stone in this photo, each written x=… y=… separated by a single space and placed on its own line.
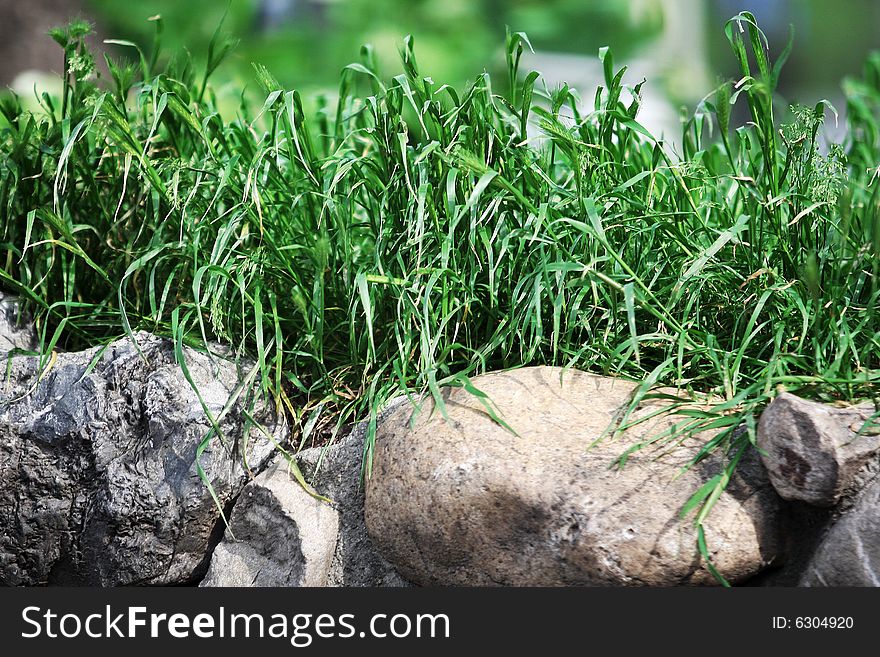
x=812 y=451
x=278 y=535
x=849 y=554
x=15 y=331
x=98 y=465
x=464 y=501
x=335 y=472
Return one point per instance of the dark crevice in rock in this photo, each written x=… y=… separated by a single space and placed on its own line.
x=804 y=526
x=214 y=539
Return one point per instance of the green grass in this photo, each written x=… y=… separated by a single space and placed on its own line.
x=407 y=235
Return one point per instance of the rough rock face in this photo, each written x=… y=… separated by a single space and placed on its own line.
x=357 y=561
x=812 y=451
x=278 y=535
x=849 y=554
x=98 y=475
x=466 y=502
x=14 y=333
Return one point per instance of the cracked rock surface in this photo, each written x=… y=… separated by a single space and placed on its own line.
x=98 y=474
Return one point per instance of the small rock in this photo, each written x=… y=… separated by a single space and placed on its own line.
x=464 y=501
x=15 y=330
x=813 y=451
x=849 y=554
x=278 y=535
x=98 y=474
x=335 y=472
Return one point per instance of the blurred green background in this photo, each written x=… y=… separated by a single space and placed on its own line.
x=305 y=43
x=678 y=45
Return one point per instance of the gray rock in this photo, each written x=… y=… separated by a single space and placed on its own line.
x=464 y=501
x=16 y=332
x=849 y=554
x=812 y=451
x=335 y=472
x=278 y=535
x=98 y=472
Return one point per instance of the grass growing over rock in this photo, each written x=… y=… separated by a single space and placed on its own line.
x=406 y=235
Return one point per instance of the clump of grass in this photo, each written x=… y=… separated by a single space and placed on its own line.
x=407 y=235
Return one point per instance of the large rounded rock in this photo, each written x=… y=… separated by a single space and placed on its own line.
x=464 y=501
x=99 y=476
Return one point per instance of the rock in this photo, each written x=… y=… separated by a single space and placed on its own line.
x=849 y=554
x=15 y=331
x=812 y=451
x=98 y=473
x=336 y=474
x=467 y=502
x=278 y=535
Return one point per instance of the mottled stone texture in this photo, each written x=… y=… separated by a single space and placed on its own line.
x=98 y=470
x=464 y=501
x=278 y=535
x=336 y=473
x=849 y=554
x=814 y=452
x=281 y=535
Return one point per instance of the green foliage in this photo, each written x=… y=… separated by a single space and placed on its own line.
x=320 y=38
x=416 y=235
